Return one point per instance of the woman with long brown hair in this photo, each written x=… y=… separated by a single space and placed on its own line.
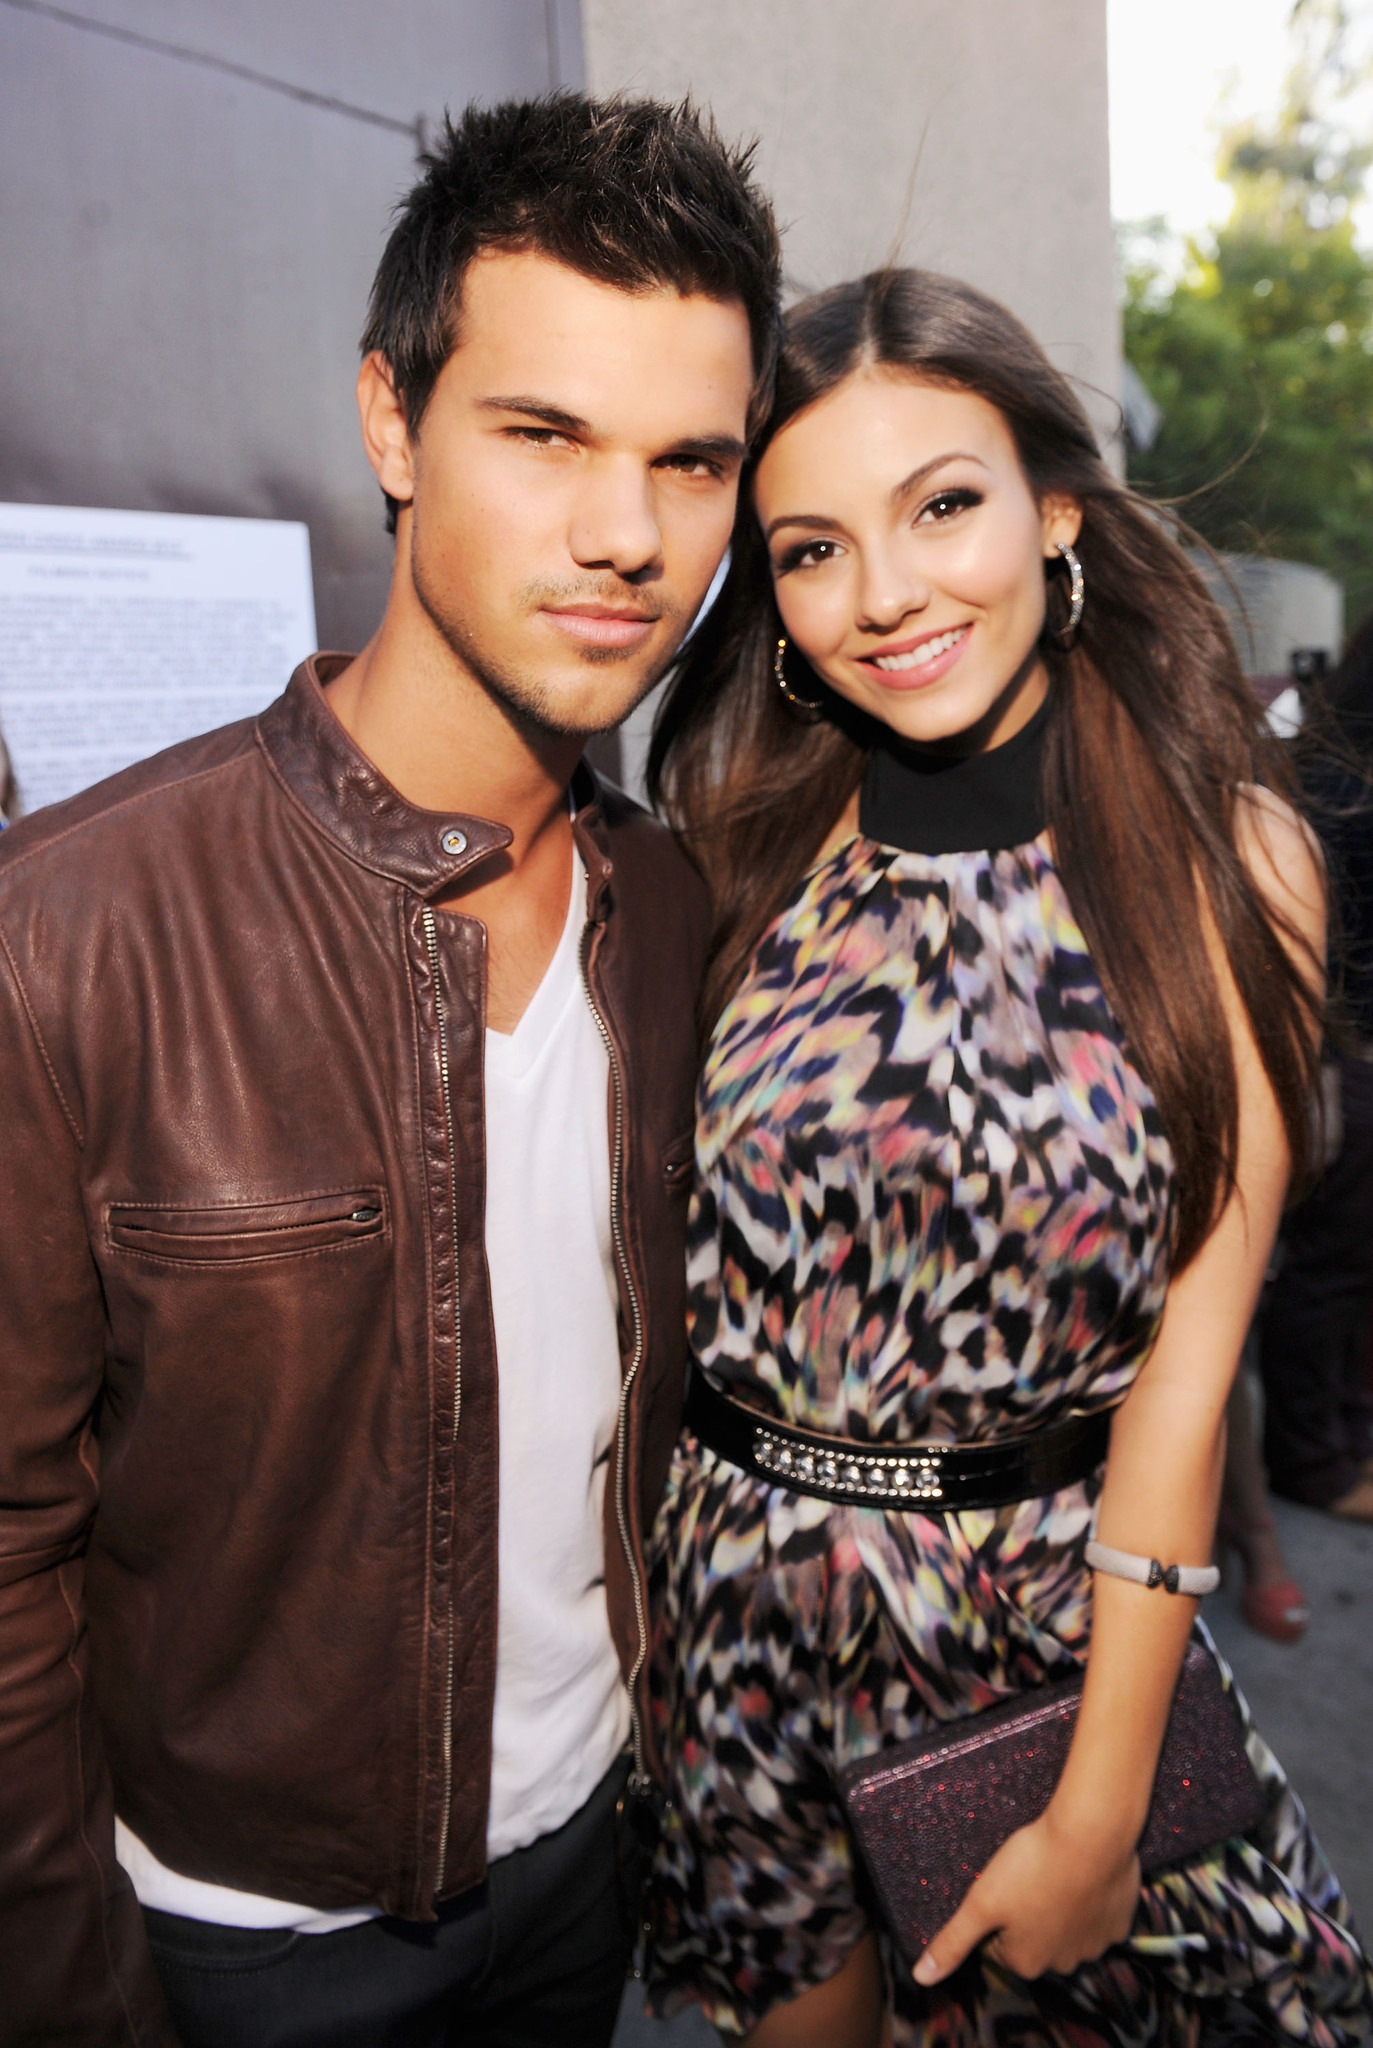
x=1013 y=1021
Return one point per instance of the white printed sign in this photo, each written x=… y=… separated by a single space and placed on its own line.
x=124 y=632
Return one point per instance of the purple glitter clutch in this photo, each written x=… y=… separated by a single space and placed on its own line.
x=929 y=1815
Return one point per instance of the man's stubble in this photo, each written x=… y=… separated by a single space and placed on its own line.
x=531 y=704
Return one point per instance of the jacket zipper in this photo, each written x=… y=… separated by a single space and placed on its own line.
x=431 y=940
x=639 y=1782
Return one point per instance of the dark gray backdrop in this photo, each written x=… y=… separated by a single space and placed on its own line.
x=193 y=198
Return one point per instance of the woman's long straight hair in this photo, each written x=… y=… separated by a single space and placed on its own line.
x=1153 y=736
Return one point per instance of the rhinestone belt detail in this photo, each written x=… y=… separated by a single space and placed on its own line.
x=869 y=1474
x=936 y=1477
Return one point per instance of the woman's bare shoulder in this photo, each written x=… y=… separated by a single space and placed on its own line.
x=1284 y=857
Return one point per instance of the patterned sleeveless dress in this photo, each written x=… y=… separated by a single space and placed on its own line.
x=932 y=1200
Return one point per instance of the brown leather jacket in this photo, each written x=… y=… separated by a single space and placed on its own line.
x=247 y=1366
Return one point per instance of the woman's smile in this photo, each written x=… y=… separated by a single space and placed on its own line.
x=913 y=663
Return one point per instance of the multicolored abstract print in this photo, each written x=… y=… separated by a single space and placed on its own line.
x=932 y=1193
x=933 y=1200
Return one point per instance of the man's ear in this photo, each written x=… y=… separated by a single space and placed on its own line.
x=385 y=435
x=1060 y=520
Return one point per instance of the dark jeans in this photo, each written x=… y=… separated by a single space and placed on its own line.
x=534 y=1958
x=1316 y=1323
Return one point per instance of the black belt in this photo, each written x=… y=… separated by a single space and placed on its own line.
x=934 y=1478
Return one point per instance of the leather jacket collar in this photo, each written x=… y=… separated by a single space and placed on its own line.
x=352 y=802
x=367 y=818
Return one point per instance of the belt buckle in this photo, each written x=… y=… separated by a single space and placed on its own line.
x=907 y=1476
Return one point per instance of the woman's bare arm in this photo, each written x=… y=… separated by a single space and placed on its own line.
x=1061 y=1890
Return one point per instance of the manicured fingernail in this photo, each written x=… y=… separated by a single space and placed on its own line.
x=926 y=1971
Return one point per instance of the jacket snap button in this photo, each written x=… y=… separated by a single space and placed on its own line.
x=454 y=841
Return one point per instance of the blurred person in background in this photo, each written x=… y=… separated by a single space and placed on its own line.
x=1271 y=1601
x=9 y=789
x=1316 y=1321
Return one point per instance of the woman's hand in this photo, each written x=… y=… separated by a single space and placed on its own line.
x=1049 y=1900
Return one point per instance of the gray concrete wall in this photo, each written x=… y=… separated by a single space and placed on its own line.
x=185 y=250
x=966 y=135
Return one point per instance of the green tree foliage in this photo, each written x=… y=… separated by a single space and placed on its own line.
x=1261 y=354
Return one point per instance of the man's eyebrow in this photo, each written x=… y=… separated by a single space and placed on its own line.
x=720 y=447
x=538 y=409
x=815 y=521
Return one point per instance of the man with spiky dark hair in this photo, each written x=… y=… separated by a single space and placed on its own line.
x=346 y=1073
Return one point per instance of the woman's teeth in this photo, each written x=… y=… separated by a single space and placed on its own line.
x=926 y=651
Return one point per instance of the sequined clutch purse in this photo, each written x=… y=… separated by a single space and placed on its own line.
x=929 y=1815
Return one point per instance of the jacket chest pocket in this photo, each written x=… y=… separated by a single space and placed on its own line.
x=235 y=1231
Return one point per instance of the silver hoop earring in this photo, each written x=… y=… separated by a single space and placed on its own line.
x=808 y=709
x=1066 y=634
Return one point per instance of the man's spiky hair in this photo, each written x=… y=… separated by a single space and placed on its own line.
x=632 y=193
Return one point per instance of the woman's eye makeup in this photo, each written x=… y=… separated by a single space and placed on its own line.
x=936 y=510
x=947 y=504
x=805 y=554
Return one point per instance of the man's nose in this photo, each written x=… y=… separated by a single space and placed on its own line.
x=615 y=520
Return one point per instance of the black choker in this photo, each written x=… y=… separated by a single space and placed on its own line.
x=926 y=802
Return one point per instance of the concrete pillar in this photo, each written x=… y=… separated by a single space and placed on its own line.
x=965 y=135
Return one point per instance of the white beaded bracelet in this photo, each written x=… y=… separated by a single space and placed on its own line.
x=1195 y=1579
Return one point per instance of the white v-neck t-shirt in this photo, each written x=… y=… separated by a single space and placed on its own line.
x=561 y=1711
